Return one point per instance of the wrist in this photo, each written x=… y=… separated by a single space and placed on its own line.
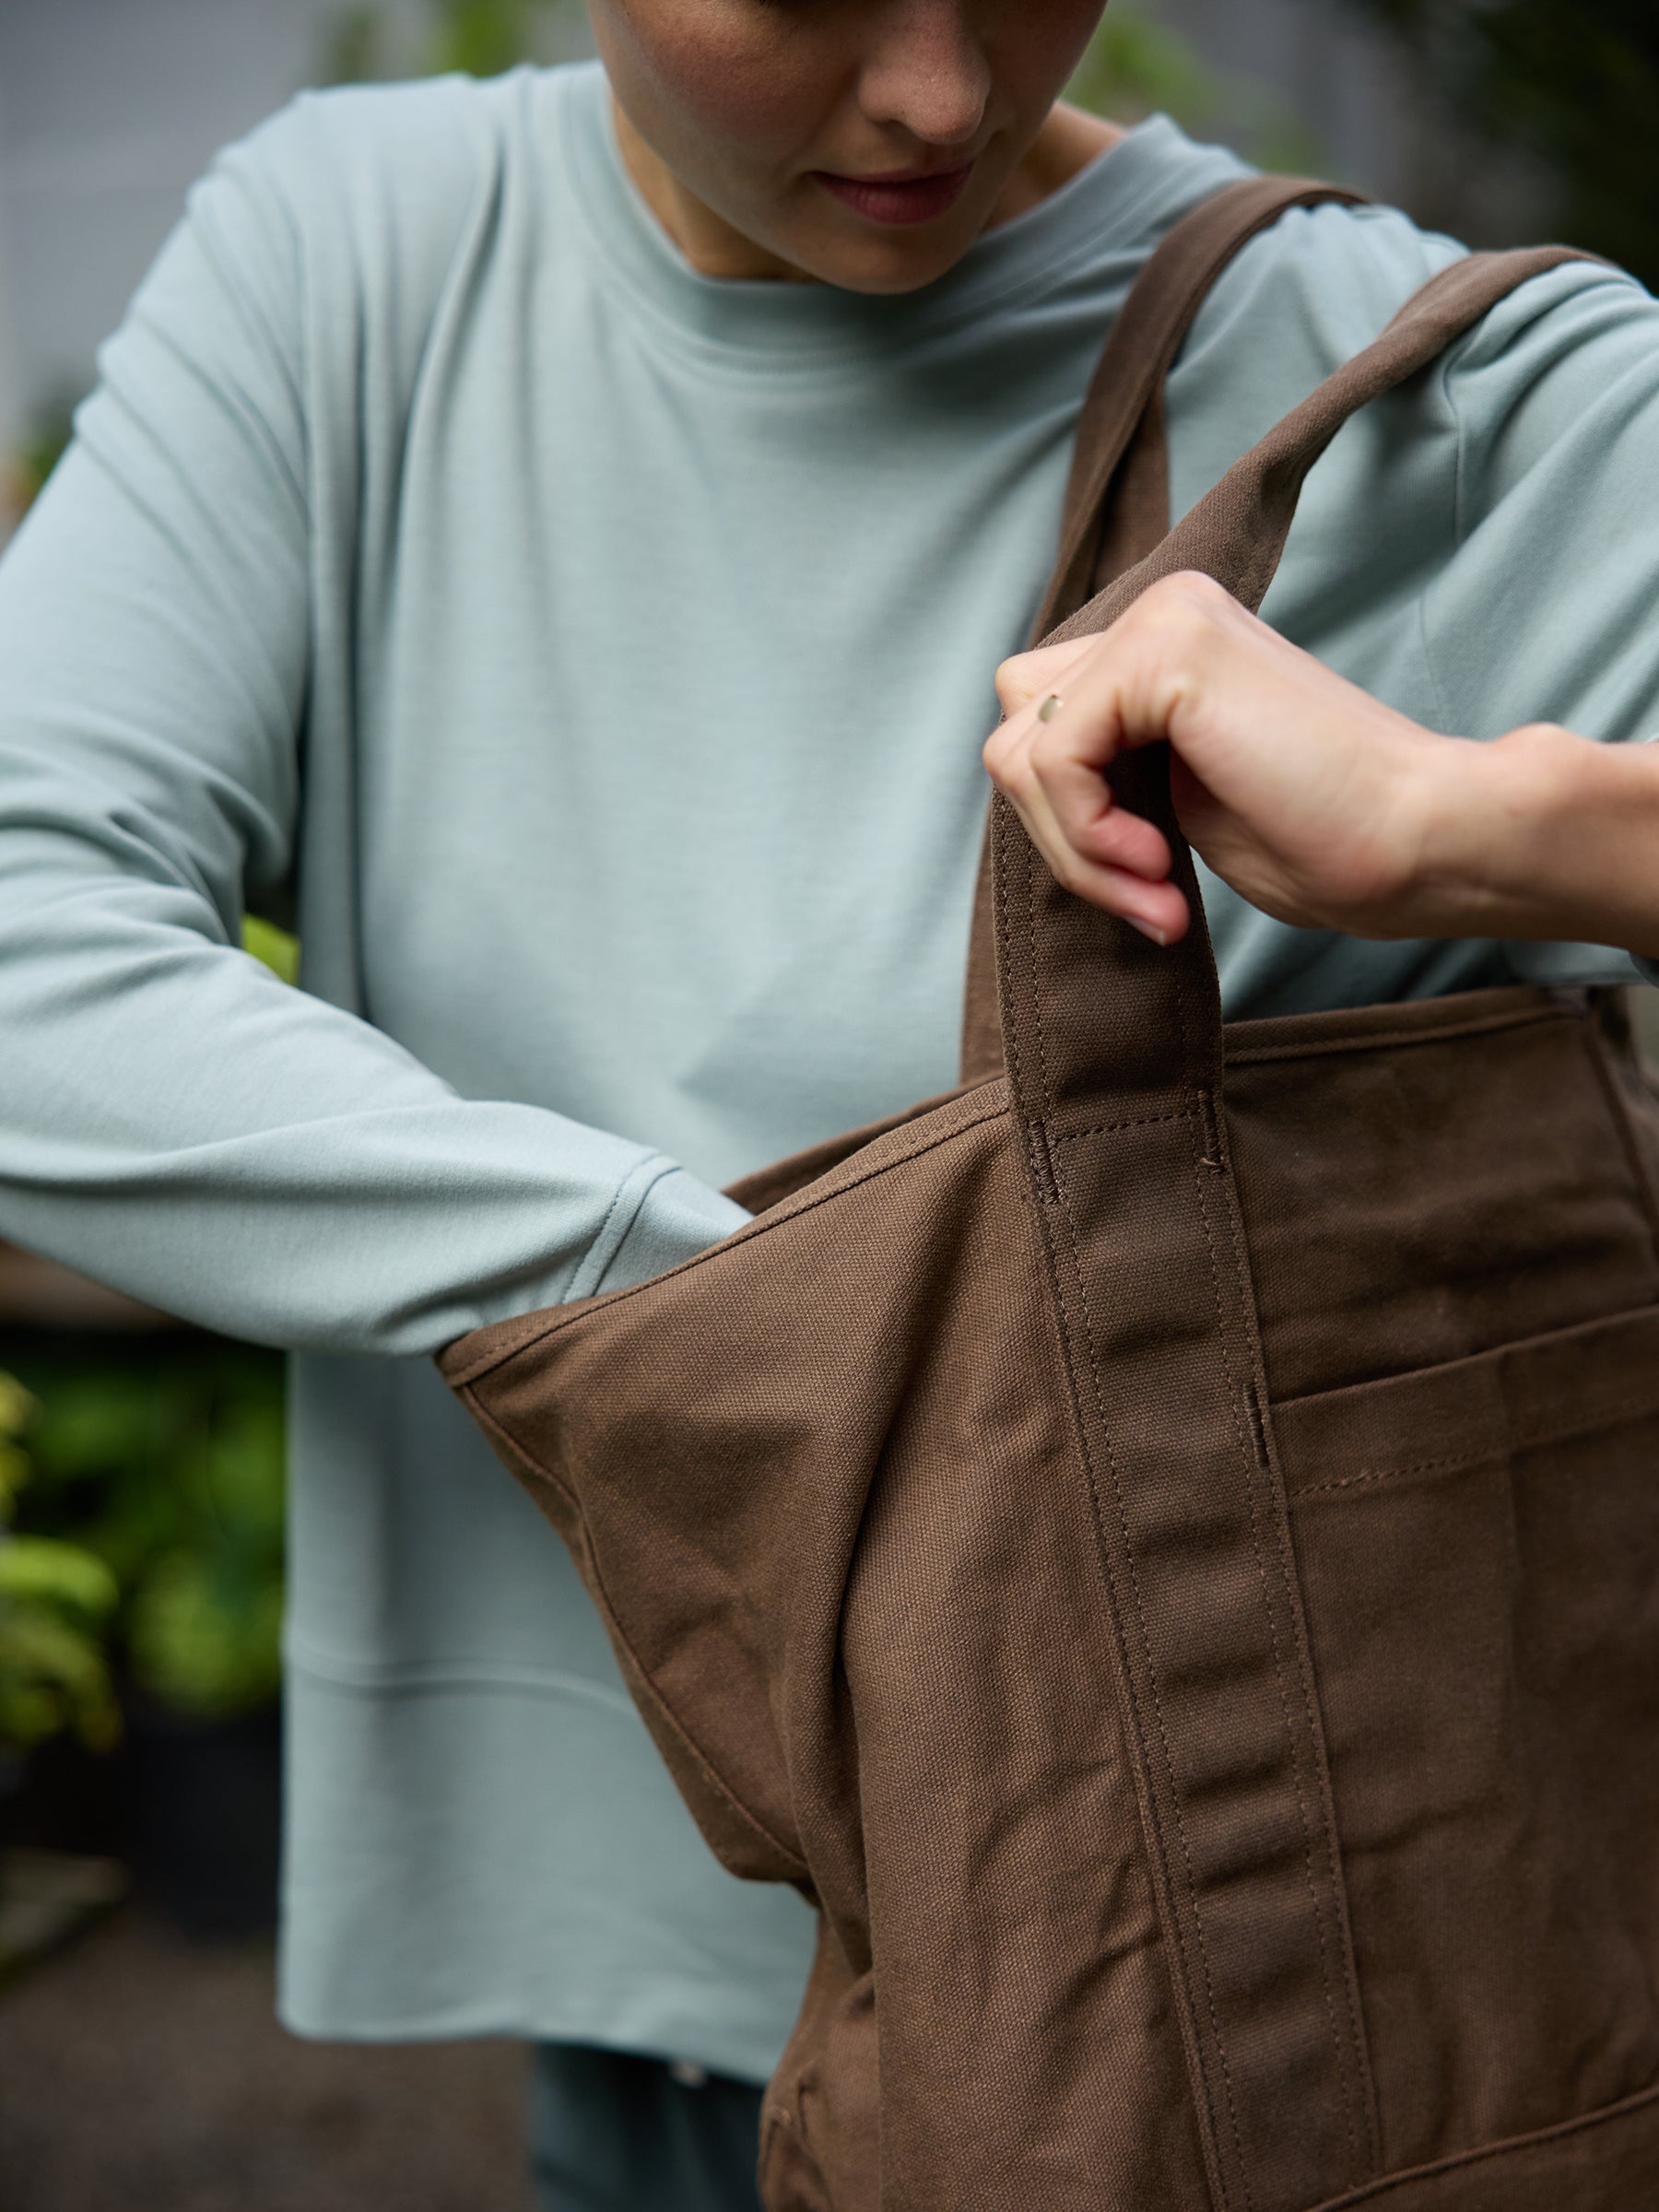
x=1541 y=835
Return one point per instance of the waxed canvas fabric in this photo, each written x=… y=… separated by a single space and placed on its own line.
x=1161 y=1547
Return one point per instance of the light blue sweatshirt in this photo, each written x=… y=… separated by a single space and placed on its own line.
x=601 y=655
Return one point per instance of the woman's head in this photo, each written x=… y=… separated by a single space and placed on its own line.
x=757 y=126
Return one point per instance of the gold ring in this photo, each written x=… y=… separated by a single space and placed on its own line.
x=1050 y=707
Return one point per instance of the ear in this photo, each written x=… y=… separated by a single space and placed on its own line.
x=1030 y=676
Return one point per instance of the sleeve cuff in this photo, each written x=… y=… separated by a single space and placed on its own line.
x=676 y=1217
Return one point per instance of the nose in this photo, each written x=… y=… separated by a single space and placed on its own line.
x=927 y=74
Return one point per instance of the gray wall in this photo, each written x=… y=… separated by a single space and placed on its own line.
x=108 y=110
x=1339 y=73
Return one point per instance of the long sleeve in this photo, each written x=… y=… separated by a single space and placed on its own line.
x=173 y=1120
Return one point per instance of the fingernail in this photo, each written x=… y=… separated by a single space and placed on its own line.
x=1146 y=930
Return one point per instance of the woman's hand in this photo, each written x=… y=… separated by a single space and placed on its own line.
x=1316 y=802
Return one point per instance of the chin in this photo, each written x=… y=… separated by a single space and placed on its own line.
x=886 y=262
x=891 y=276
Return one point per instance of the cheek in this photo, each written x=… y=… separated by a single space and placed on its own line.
x=723 y=78
x=1036 y=48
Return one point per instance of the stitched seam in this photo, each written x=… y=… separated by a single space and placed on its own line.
x=1246 y=1055
x=1341 y=2036
x=690 y=1742
x=1197 y=1917
x=1183 y=1013
x=1478 y=1455
x=1181 y=1959
x=1247 y=1457
x=1157 y=1704
x=665 y=1167
x=1620 y=1115
x=1141 y=1121
x=1490 y=2154
x=761 y=1226
x=1183 y=1016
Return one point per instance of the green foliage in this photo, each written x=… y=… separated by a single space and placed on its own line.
x=351 y=54
x=1574 y=83
x=55 y=1601
x=480 y=38
x=25 y=471
x=272 y=948
x=1136 y=68
x=171 y=1476
x=18 y=1410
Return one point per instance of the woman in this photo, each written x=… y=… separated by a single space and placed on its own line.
x=562 y=532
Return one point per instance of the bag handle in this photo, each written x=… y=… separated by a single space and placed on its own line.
x=1117 y=497
x=1094 y=1018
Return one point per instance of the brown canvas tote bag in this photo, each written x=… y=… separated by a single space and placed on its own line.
x=1161 y=1545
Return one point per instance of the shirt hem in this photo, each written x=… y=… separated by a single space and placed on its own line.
x=378 y=1679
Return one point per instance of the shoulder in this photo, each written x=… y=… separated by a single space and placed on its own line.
x=332 y=236
x=1322 y=284
x=414 y=156
x=1307 y=295
x=1569 y=363
x=372 y=179
x=1325 y=280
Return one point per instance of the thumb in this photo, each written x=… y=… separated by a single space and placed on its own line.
x=1029 y=676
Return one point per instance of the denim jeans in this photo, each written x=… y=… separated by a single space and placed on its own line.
x=613 y=2132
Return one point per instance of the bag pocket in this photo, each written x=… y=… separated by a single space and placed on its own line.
x=1478 y=1548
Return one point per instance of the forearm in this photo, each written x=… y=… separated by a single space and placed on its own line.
x=180 y=1124
x=1540 y=835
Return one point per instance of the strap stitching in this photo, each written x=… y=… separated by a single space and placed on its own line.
x=1025 y=951
x=1169 y=1759
x=1140 y=1121
x=1248 y=1460
x=1364 y=2151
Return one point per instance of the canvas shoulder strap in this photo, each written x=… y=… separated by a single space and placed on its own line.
x=1117 y=500
x=1115 y=1057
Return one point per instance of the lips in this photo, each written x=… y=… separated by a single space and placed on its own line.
x=899 y=201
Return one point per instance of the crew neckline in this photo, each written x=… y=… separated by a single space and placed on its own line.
x=1127 y=194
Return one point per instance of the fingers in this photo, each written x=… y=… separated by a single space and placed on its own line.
x=1071 y=709
x=1030 y=676
x=1050 y=768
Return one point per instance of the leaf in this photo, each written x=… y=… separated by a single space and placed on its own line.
x=52 y=1677
x=272 y=948
x=42 y=1573
x=19 y=1410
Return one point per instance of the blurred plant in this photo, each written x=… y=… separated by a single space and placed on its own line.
x=24 y=471
x=1136 y=68
x=55 y=1602
x=483 y=37
x=272 y=948
x=352 y=47
x=171 y=1478
x=480 y=38
x=1574 y=83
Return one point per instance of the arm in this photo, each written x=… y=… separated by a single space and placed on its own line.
x=1319 y=804
x=171 y=1120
